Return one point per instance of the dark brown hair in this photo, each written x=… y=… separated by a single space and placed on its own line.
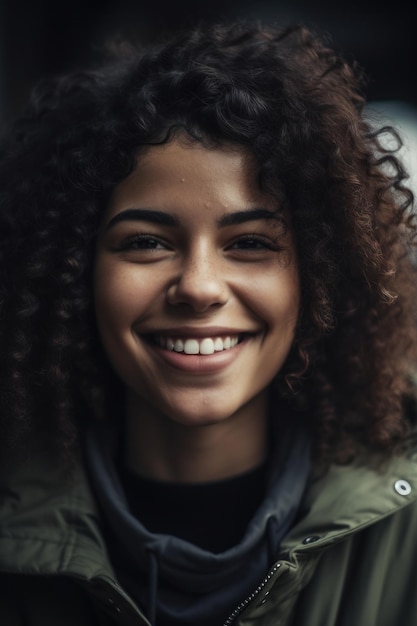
x=298 y=106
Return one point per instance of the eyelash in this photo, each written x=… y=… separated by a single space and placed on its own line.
x=252 y=242
x=261 y=243
x=131 y=242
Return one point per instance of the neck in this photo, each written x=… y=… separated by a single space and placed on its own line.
x=158 y=447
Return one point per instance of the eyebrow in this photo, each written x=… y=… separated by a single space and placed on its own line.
x=147 y=215
x=169 y=219
x=240 y=217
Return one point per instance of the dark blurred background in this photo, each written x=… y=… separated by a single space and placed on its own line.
x=46 y=37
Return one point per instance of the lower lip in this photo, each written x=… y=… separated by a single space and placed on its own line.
x=199 y=363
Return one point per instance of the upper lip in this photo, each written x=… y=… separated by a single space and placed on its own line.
x=200 y=332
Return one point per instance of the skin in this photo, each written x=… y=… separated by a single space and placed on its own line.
x=172 y=263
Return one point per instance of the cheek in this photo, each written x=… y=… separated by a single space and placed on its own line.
x=125 y=295
x=274 y=297
x=113 y=297
x=116 y=309
x=116 y=289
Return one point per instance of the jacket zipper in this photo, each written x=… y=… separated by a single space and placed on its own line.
x=238 y=610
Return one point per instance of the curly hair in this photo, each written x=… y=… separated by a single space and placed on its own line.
x=299 y=107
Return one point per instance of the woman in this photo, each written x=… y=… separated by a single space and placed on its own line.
x=208 y=339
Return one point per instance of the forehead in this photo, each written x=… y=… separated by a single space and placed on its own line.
x=181 y=171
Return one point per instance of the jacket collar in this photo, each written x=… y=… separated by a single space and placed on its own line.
x=48 y=525
x=351 y=497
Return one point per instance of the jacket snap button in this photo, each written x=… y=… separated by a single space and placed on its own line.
x=402 y=487
x=264 y=599
x=311 y=539
x=113 y=605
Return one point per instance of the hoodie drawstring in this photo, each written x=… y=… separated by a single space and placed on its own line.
x=153 y=586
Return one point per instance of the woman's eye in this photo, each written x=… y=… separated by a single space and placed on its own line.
x=142 y=242
x=254 y=243
x=250 y=243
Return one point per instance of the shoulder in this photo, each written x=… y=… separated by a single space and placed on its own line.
x=27 y=600
x=356 y=546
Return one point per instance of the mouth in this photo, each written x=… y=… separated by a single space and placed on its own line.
x=192 y=345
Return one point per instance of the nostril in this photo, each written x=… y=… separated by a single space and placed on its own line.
x=200 y=294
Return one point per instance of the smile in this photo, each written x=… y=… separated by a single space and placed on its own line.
x=205 y=346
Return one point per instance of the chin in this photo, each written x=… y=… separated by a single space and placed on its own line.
x=197 y=419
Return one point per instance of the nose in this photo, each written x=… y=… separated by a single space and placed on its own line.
x=200 y=283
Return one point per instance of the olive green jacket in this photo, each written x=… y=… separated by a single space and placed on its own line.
x=351 y=559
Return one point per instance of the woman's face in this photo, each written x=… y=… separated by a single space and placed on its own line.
x=196 y=284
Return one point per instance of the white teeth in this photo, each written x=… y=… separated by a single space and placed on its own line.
x=179 y=345
x=207 y=346
x=191 y=346
x=194 y=346
x=218 y=344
